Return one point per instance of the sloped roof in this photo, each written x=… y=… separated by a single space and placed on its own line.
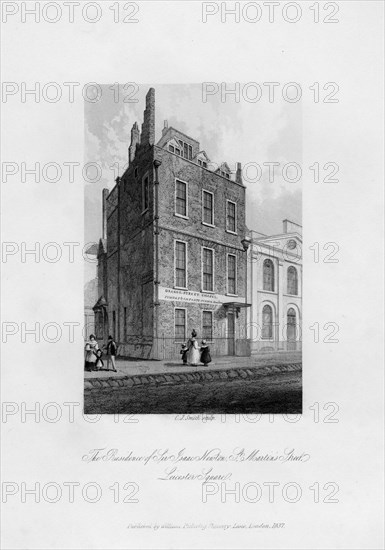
x=93 y=249
x=177 y=134
x=202 y=154
x=224 y=167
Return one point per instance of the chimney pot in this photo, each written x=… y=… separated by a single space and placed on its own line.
x=165 y=127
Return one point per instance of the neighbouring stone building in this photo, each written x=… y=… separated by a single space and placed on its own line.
x=275 y=290
x=173 y=256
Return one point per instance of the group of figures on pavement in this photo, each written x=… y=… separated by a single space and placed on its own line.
x=192 y=354
x=94 y=354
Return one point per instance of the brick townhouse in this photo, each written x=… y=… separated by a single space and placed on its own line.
x=173 y=256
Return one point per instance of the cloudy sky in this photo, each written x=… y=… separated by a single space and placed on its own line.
x=228 y=131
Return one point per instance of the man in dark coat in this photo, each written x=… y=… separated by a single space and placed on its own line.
x=111 y=353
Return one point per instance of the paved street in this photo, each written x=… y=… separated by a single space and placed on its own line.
x=274 y=393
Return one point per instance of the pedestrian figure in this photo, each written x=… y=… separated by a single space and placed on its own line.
x=91 y=349
x=193 y=349
x=111 y=353
x=205 y=354
x=183 y=352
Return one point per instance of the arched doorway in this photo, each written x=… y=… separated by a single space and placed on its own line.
x=291 y=329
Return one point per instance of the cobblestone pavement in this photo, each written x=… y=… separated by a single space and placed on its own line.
x=275 y=393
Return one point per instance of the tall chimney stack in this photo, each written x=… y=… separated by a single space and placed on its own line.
x=148 y=126
x=135 y=140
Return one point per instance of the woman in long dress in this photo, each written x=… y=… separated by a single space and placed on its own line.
x=91 y=357
x=193 y=349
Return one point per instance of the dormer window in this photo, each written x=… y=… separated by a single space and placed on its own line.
x=176 y=147
x=224 y=170
x=185 y=150
x=203 y=159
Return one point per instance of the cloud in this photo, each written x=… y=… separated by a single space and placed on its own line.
x=266 y=213
x=92 y=145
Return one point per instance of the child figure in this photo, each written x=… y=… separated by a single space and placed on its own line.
x=183 y=352
x=99 y=361
x=205 y=354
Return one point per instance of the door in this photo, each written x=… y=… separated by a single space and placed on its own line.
x=230 y=334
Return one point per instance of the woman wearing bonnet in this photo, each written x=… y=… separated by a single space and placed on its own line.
x=193 y=349
x=91 y=357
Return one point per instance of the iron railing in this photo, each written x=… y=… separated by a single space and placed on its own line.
x=167 y=348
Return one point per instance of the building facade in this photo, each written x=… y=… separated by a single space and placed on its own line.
x=173 y=256
x=275 y=290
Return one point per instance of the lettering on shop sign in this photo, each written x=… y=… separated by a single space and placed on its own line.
x=176 y=295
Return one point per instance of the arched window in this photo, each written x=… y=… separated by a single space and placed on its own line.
x=267 y=322
x=292 y=281
x=268 y=275
x=291 y=325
